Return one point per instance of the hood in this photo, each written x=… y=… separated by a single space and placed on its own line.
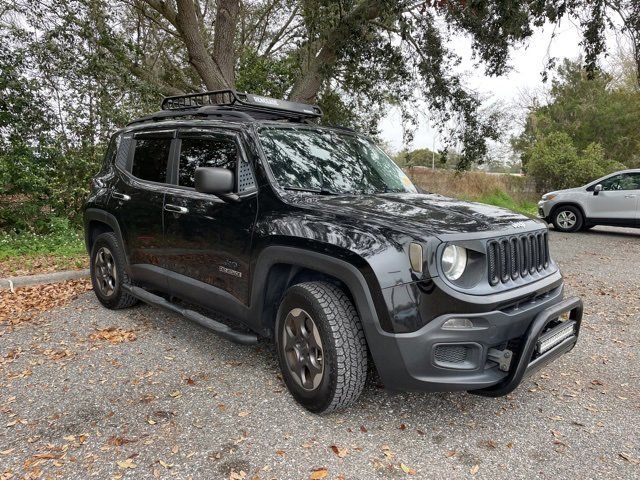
x=566 y=190
x=425 y=213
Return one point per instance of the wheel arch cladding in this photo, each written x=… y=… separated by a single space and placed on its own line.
x=95 y=218
x=281 y=277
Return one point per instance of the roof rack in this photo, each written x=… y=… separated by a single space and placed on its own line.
x=241 y=101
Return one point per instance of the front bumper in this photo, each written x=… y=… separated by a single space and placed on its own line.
x=411 y=361
x=544 y=209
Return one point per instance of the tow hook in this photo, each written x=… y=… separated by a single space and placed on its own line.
x=501 y=357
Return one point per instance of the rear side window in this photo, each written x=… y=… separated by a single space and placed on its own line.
x=209 y=151
x=150 y=159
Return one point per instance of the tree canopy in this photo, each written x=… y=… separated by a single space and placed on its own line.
x=354 y=57
x=74 y=70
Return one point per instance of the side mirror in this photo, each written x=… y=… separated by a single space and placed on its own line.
x=597 y=189
x=215 y=180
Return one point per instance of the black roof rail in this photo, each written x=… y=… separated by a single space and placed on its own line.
x=241 y=101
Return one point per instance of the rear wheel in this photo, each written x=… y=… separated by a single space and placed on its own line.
x=108 y=272
x=321 y=347
x=567 y=219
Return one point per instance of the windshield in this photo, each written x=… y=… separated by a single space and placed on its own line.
x=330 y=162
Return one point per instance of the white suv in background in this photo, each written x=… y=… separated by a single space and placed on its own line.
x=610 y=200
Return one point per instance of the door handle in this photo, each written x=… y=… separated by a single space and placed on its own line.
x=175 y=208
x=120 y=196
x=629 y=196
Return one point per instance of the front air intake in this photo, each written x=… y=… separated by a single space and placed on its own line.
x=519 y=256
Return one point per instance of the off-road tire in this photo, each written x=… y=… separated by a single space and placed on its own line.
x=569 y=211
x=343 y=342
x=119 y=298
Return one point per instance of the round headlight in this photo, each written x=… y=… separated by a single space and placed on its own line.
x=454 y=261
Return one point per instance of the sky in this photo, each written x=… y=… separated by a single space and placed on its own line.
x=527 y=64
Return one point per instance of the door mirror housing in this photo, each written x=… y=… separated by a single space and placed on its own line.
x=597 y=189
x=215 y=180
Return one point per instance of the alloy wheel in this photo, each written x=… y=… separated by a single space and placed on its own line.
x=303 y=349
x=105 y=272
x=566 y=219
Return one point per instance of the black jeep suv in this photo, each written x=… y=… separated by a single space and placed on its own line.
x=311 y=236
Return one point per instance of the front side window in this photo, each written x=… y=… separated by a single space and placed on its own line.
x=150 y=159
x=208 y=151
x=330 y=162
x=624 y=181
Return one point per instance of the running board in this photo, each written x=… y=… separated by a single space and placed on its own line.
x=218 y=327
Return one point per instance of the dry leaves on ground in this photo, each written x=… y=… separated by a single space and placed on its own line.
x=28 y=301
x=113 y=335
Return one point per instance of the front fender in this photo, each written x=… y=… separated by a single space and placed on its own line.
x=364 y=290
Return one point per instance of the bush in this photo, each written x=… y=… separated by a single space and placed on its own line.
x=554 y=163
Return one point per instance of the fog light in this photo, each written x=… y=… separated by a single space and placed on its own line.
x=555 y=337
x=457 y=323
x=415 y=256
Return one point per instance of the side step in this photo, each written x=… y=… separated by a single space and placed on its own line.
x=219 y=328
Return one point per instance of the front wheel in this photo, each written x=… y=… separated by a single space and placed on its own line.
x=321 y=347
x=567 y=219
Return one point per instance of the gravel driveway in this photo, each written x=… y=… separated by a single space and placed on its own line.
x=87 y=392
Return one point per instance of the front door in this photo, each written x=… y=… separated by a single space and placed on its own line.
x=208 y=239
x=618 y=200
x=137 y=200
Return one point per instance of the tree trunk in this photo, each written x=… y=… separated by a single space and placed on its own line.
x=189 y=29
x=224 y=40
x=319 y=64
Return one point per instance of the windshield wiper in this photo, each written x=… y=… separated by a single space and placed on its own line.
x=319 y=191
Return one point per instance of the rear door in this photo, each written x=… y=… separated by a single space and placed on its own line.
x=137 y=200
x=208 y=239
x=618 y=200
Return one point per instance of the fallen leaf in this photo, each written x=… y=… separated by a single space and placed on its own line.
x=319 y=473
x=629 y=458
x=449 y=453
x=165 y=464
x=474 y=469
x=124 y=464
x=340 y=452
x=113 y=335
x=243 y=414
x=387 y=451
x=407 y=470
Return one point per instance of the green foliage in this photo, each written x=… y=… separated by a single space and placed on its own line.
x=63 y=239
x=262 y=75
x=587 y=110
x=504 y=200
x=555 y=163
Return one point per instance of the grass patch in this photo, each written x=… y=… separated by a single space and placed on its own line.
x=28 y=253
x=502 y=199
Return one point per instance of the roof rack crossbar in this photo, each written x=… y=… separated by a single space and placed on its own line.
x=241 y=101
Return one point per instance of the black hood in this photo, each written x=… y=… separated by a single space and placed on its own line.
x=428 y=213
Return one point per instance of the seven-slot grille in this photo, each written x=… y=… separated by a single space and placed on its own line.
x=518 y=256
